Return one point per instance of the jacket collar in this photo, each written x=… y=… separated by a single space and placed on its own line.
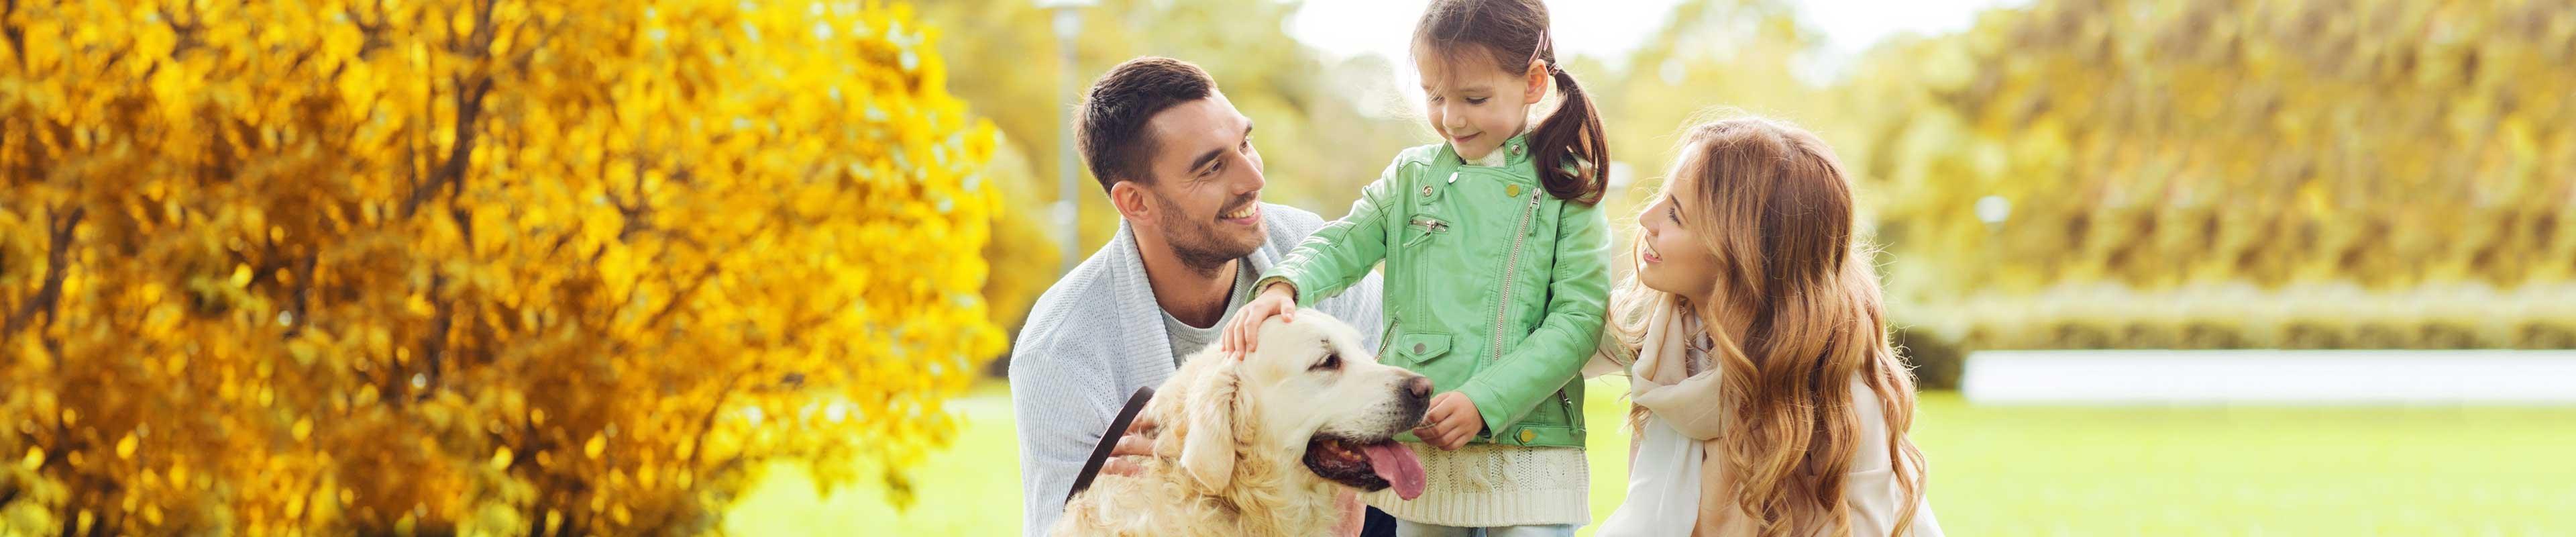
x=1515 y=152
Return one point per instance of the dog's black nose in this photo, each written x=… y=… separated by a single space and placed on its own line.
x=1418 y=387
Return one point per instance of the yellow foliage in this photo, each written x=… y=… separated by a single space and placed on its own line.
x=2388 y=144
x=488 y=266
x=2213 y=173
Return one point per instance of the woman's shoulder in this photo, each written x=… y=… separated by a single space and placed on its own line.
x=1871 y=413
x=1866 y=406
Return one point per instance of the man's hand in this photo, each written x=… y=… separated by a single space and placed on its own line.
x=1277 y=300
x=1450 y=422
x=1138 y=441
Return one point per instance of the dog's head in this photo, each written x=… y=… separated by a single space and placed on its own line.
x=1311 y=393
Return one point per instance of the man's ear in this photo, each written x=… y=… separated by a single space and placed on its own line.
x=1129 y=198
x=1536 y=86
x=1207 y=454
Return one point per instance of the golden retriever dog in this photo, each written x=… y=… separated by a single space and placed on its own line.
x=1262 y=445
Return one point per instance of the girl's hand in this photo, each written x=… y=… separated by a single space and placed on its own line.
x=1277 y=300
x=1450 y=422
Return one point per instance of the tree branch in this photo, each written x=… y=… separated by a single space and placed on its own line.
x=57 y=262
x=707 y=421
x=451 y=174
x=681 y=298
x=469 y=108
x=17 y=36
x=434 y=344
x=302 y=303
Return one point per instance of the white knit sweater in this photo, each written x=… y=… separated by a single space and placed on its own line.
x=1097 y=335
x=1486 y=485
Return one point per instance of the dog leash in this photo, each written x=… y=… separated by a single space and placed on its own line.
x=1109 y=441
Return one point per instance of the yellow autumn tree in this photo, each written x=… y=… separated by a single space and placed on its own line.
x=472 y=266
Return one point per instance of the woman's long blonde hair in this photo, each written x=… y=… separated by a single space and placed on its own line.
x=1773 y=203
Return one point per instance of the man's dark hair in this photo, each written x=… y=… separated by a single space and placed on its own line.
x=1112 y=130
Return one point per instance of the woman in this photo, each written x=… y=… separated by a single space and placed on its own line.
x=1767 y=398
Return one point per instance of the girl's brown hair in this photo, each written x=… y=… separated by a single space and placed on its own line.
x=1513 y=34
x=1772 y=202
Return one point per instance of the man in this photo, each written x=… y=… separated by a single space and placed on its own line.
x=1178 y=163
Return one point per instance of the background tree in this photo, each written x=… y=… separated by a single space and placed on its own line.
x=480 y=266
x=2203 y=173
x=2170 y=173
x=1709 y=58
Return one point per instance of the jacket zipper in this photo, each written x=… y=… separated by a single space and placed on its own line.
x=1511 y=268
x=1575 y=417
x=1429 y=226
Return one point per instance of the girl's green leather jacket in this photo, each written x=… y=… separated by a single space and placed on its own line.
x=1493 y=287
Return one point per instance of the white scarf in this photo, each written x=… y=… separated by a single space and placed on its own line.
x=1683 y=413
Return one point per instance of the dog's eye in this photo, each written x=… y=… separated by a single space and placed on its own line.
x=1331 y=361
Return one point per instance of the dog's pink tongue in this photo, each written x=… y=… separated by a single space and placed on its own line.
x=1397 y=466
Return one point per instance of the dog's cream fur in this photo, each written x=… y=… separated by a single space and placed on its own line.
x=1230 y=436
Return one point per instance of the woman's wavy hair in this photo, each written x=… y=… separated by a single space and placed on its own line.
x=1772 y=201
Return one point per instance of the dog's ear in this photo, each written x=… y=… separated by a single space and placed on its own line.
x=1207 y=454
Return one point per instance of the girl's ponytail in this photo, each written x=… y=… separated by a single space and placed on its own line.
x=1572 y=132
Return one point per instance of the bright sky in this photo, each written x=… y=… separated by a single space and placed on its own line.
x=1611 y=28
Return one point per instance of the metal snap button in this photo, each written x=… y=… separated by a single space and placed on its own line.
x=1418 y=348
x=1512 y=190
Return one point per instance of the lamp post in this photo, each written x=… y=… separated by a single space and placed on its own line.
x=1068 y=214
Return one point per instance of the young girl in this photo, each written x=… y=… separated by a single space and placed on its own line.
x=1767 y=399
x=1495 y=274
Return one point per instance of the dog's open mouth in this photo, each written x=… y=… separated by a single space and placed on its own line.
x=1366 y=465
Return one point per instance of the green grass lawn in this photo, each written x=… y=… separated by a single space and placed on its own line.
x=1995 y=471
